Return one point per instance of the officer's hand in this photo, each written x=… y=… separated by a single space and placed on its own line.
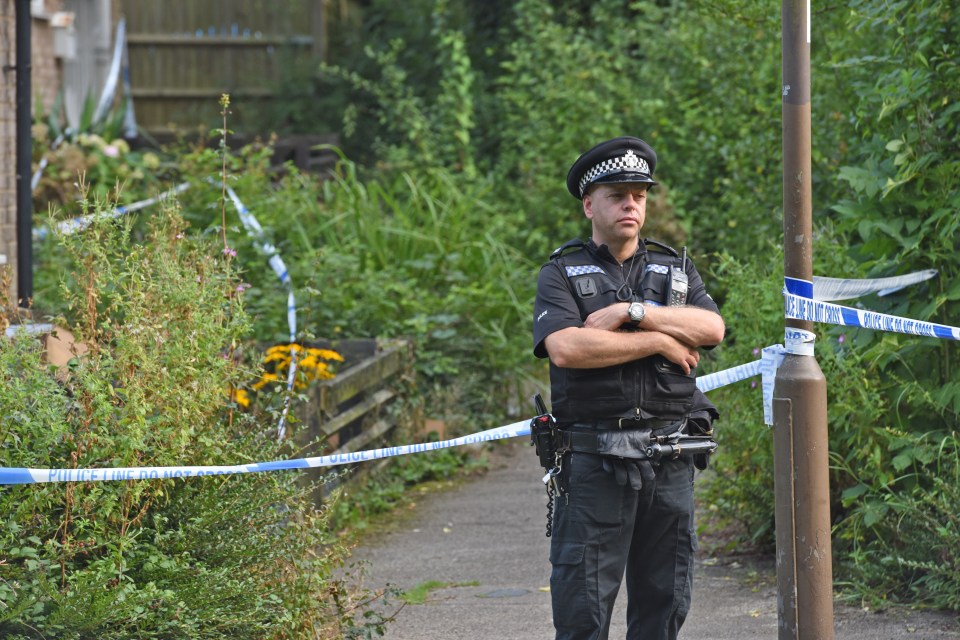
x=609 y=318
x=679 y=353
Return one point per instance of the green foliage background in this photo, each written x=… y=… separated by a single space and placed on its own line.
x=459 y=120
x=701 y=82
x=244 y=557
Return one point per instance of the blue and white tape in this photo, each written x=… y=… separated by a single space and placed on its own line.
x=130 y=129
x=15 y=475
x=798 y=341
x=798 y=305
x=29 y=328
x=76 y=225
x=832 y=289
x=113 y=75
x=255 y=231
x=719 y=379
x=772 y=358
x=765 y=367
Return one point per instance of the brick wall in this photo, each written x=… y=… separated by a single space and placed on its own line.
x=45 y=83
x=46 y=72
x=8 y=137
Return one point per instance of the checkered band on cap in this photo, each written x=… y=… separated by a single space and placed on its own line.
x=628 y=161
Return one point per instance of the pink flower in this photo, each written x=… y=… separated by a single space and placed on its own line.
x=756 y=351
x=230 y=253
x=111 y=151
x=753 y=384
x=842 y=338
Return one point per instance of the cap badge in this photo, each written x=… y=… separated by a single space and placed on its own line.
x=630 y=159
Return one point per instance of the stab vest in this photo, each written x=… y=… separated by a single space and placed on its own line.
x=650 y=388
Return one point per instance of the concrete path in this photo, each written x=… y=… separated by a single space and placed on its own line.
x=487 y=536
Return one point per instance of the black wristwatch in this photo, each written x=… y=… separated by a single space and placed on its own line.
x=636 y=312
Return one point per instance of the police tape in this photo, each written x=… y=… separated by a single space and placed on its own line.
x=113 y=75
x=832 y=289
x=16 y=475
x=255 y=231
x=78 y=224
x=800 y=307
x=766 y=367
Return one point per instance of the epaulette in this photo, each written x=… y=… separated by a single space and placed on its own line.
x=568 y=245
x=666 y=248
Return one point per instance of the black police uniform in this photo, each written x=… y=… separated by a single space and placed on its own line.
x=604 y=524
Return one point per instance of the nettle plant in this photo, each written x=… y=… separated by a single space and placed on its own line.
x=233 y=556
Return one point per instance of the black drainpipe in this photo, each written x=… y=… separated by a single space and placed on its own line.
x=24 y=158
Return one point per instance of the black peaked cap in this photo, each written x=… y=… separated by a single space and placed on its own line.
x=623 y=159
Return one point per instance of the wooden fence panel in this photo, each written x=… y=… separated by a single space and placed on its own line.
x=351 y=411
x=184 y=54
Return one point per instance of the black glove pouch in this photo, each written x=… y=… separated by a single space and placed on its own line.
x=624 y=455
x=636 y=472
x=628 y=443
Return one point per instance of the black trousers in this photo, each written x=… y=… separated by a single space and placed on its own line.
x=601 y=530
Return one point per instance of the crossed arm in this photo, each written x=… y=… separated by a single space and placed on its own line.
x=673 y=332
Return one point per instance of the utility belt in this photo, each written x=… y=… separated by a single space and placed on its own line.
x=629 y=448
x=622 y=423
x=624 y=438
x=643 y=443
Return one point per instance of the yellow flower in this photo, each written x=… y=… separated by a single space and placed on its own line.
x=278 y=347
x=311 y=365
x=241 y=397
x=264 y=380
x=277 y=356
x=326 y=354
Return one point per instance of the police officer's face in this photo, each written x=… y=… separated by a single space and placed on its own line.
x=617 y=211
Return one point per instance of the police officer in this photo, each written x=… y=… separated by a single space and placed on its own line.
x=621 y=320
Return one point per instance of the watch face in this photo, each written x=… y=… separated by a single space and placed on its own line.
x=636 y=311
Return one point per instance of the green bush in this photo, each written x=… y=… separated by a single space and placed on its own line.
x=463 y=132
x=892 y=482
x=245 y=556
x=421 y=255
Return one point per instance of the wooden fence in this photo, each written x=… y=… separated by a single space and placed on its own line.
x=352 y=412
x=184 y=54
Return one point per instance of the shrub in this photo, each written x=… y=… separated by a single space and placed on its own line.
x=244 y=556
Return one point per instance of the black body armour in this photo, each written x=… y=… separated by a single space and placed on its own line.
x=651 y=388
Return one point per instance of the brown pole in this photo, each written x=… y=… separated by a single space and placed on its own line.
x=802 y=487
